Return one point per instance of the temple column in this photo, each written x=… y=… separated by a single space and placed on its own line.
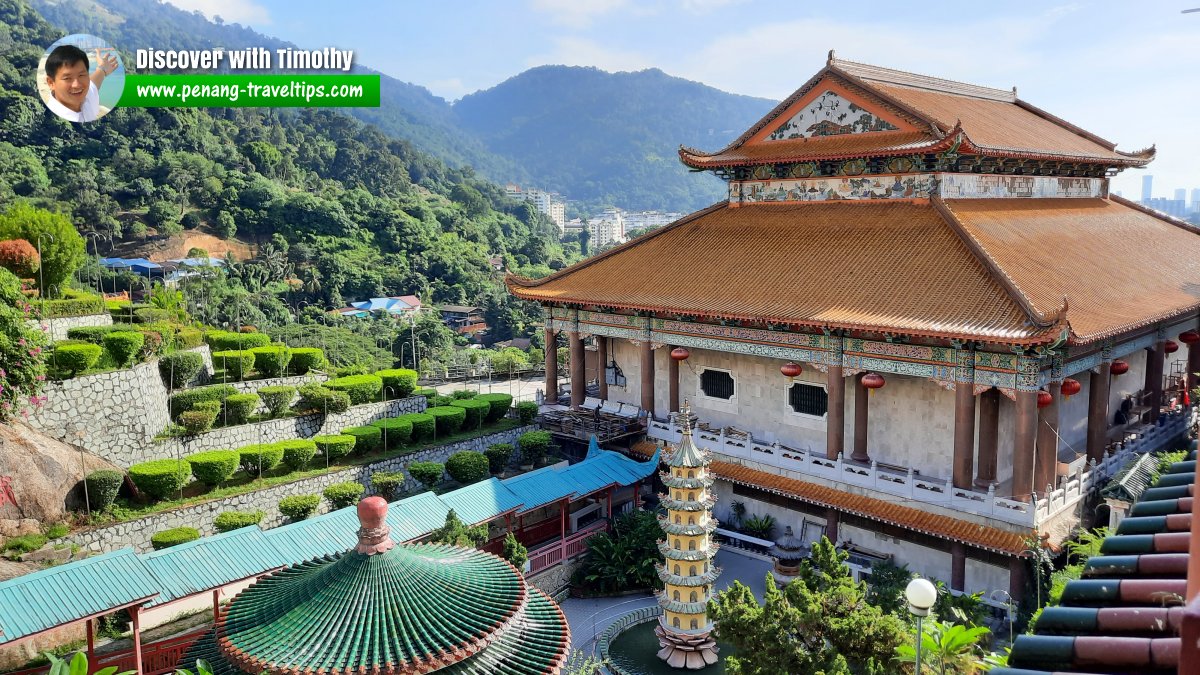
x=551 y=366
x=1024 y=445
x=1046 y=466
x=647 y=371
x=835 y=412
x=672 y=385
x=578 y=374
x=135 y=616
x=1016 y=579
x=1097 y=431
x=860 y=421
x=964 y=433
x=216 y=605
x=602 y=359
x=832 y=518
x=91 y=645
x=1154 y=378
x=989 y=431
x=958 y=566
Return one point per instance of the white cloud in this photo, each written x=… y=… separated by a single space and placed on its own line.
x=450 y=89
x=576 y=51
x=230 y=11
x=706 y=6
x=577 y=13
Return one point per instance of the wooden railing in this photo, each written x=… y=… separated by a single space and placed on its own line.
x=157 y=657
x=564 y=549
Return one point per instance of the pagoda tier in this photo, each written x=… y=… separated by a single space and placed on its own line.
x=691 y=505
x=703 y=579
x=683 y=607
x=694 y=529
x=706 y=553
x=701 y=481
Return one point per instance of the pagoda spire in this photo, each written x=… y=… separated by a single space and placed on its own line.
x=685 y=630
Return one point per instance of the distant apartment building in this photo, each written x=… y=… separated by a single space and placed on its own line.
x=1147 y=188
x=606 y=231
x=1171 y=207
x=548 y=203
x=1195 y=200
x=643 y=219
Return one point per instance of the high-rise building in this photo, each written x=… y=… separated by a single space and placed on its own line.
x=548 y=203
x=1147 y=188
x=1195 y=199
x=1181 y=195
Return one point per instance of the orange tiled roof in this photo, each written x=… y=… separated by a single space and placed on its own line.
x=844 y=146
x=981 y=536
x=1118 y=266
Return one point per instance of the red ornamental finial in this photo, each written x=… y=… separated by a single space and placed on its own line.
x=374 y=536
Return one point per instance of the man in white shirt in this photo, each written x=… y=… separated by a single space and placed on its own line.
x=74 y=94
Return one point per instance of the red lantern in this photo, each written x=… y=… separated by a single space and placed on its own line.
x=680 y=353
x=1118 y=367
x=790 y=370
x=1070 y=388
x=873 y=381
x=1170 y=346
x=1044 y=398
x=1189 y=337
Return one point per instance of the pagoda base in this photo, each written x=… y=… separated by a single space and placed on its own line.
x=782 y=580
x=686 y=651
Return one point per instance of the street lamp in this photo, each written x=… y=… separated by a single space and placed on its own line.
x=42 y=269
x=921 y=594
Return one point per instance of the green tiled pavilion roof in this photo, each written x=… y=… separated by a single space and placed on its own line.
x=687 y=455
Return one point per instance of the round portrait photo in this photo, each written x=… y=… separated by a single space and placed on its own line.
x=81 y=78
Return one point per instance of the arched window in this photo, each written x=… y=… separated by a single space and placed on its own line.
x=691 y=473
x=677 y=519
x=695 y=624
x=691 y=496
x=677 y=543
x=676 y=569
x=675 y=622
x=693 y=596
x=676 y=596
x=691 y=520
x=692 y=545
x=693 y=572
x=706 y=568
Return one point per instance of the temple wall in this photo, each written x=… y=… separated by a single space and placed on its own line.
x=926 y=562
x=984 y=577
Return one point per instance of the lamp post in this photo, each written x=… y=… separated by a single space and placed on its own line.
x=96 y=237
x=42 y=269
x=921 y=594
x=1008 y=602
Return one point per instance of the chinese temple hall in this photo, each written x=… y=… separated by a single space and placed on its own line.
x=919 y=324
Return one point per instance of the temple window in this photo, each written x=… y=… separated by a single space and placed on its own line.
x=678 y=519
x=691 y=496
x=676 y=596
x=691 y=520
x=677 y=546
x=695 y=624
x=677 y=569
x=675 y=622
x=717 y=384
x=808 y=399
x=693 y=596
x=693 y=572
x=692 y=545
x=691 y=473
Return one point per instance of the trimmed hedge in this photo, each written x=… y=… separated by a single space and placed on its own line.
x=173 y=537
x=297 y=453
x=260 y=457
x=277 y=398
x=394 y=430
x=93 y=334
x=151 y=315
x=341 y=495
x=361 y=388
x=463 y=394
x=428 y=473
x=235 y=363
x=124 y=345
x=323 y=399
x=527 y=411
x=161 y=478
x=534 y=445
x=387 y=483
x=401 y=380
x=102 y=488
x=188 y=338
x=468 y=467
x=224 y=340
x=449 y=418
x=334 y=447
x=426 y=392
x=81 y=306
x=498 y=456
x=439 y=401
x=179 y=368
x=305 y=359
x=366 y=439
x=271 y=361
x=214 y=467
x=239 y=407
x=199 y=419
x=75 y=358
x=477 y=411
x=228 y=521
x=299 y=507
x=423 y=426
x=186 y=400
x=499 y=405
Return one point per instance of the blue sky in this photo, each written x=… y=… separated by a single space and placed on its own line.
x=1128 y=71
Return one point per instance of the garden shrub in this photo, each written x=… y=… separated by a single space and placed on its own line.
x=158 y=338
x=199 y=419
x=361 y=388
x=439 y=401
x=93 y=334
x=21 y=342
x=179 y=368
x=224 y=340
x=449 y=418
x=468 y=467
x=514 y=551
x=186 y=400
x=366 y=439
x=235 y=363
x=498 y=456
x=277 y=398
x=299 y=507
x=271 y=361
x=428 y=474
x=213 y=467
x=305 y=359
x=188 y=338
x=297 y=453
x=152 y=315
x=527 y=411
x=161 y=478
x=323 y=399
x=75 y=358
x=124 y=345
x=395 y=431
x=26 y=543
x=173 y=537
x=534 y=445
x=228 y=521
x=58 y=531
x=499 y=405
x=19 y=257
x=426 y=392
x=423 y=426
x=260 y=458
x=387 y=483
x=239 y=407
x=341 y=495
x=334 y=447
x=400 y=380
x=476 y=412
x=463 y=394
x=102 y=488
x=80 y=306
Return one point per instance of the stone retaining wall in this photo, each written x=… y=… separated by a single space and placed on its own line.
x=556 y=579
x=137 y=533
x=56 y=329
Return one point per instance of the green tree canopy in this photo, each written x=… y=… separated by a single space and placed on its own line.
x=61 y=247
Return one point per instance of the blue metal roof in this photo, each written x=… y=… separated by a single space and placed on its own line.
x=36 y=602
x=332 y=532
x=211 y=562
x=482 y=501
x=416 y=516
x=199 y=262
x=392 y=305
x=538 y=488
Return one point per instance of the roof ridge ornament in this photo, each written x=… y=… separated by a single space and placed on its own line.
x=374 y=535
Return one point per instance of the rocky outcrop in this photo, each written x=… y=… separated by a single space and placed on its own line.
x=40 y=477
